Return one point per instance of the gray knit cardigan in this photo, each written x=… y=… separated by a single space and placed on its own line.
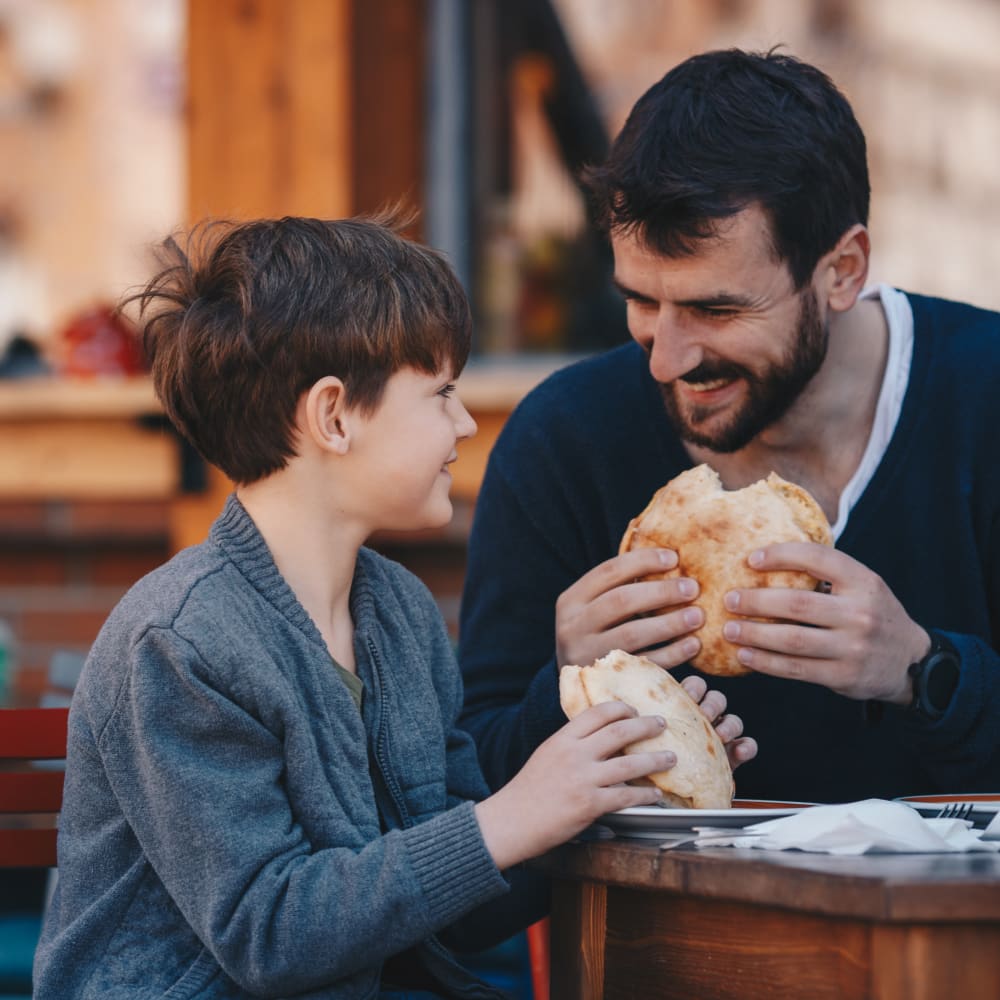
x=220 y=836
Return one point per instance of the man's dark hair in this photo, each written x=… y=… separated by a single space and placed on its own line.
x=727 y=129
x=243 y=318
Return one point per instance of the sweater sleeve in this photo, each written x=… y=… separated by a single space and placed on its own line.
x=201 y=783
x=961 y=750
x=528 y=899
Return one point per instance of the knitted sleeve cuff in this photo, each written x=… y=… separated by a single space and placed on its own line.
x=452 y=865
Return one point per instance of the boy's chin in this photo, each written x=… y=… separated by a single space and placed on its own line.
x=436 y=515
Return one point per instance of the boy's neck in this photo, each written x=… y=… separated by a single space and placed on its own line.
x=315 y=555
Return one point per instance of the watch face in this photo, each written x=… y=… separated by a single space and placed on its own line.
x=940 y=678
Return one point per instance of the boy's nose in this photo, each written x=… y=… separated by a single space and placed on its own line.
x=465 y=426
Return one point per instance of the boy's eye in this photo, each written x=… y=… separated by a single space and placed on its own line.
x=446 y=390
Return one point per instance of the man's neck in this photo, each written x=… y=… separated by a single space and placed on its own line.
x=820 y=441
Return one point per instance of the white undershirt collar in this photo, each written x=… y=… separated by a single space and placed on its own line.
x=899 y=318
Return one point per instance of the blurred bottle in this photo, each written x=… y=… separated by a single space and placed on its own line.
x=99 y=341
x=6 y=658
x=501 y=284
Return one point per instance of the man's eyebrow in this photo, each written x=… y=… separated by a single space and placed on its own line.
x=716 y=300
x=629 y=293
x=729 y=300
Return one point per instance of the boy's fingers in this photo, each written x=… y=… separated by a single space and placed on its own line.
x=627 y=796
x=618 y=735
x=629 y=767
x=597 y=717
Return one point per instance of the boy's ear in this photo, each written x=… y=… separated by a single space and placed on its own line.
x=325 y=408
x=845 y=268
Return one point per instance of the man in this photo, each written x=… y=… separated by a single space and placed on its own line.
x=736 y=202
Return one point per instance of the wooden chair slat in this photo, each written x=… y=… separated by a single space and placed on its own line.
x=28 y=848
x=30 y=791
x=33 y=733
x=27 y=789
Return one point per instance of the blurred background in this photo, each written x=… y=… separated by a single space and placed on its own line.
x=120 y=119
x=123 y=119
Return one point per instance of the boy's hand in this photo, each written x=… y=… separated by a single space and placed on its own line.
x=574 y=777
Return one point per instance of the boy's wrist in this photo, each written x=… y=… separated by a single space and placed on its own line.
x=502 y=836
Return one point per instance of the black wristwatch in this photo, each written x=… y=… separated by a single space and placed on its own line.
x=935 y=678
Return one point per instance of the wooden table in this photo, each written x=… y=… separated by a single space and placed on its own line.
x=630 y=920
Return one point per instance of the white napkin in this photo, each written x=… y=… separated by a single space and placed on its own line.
x=872 y=825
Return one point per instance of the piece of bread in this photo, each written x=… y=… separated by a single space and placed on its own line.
x=702 y=777
x=713 y=531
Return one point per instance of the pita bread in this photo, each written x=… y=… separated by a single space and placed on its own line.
x=702 y=777
x=713 y=530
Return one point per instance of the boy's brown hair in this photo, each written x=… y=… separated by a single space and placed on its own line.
x=244 y=317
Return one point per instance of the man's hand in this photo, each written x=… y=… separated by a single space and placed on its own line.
x=855 y=639
x=739 y=748
x=604 y=610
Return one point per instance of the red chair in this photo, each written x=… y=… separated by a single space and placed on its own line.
x=538 y=956
x=30 y=793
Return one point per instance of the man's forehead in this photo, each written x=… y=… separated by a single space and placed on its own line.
x=750 y=225
x=740 y=244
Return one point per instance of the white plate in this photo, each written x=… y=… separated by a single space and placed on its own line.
x=931 y=805
x=656 y=822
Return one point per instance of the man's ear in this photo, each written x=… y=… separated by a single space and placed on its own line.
x=844 y=270
x=325 y=410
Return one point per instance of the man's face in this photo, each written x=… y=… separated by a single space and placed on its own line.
x=730 y=341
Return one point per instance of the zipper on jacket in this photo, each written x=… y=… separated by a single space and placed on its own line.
x=387 y=790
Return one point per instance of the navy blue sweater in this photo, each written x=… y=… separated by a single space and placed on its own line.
x=586 y=450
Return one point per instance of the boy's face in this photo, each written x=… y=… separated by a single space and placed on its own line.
x=403 y=451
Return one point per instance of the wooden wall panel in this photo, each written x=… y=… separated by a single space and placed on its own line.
x=389 y=42
x=299 y=107
x=269 y=108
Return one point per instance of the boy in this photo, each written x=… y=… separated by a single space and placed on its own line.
x=266 y=794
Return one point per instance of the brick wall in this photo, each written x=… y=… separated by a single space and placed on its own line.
x=923 y=77
x=63 y=567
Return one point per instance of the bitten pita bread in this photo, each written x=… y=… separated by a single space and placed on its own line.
x=702 y=777
x=713 y=530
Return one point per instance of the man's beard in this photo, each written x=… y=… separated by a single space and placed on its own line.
x=769 y=395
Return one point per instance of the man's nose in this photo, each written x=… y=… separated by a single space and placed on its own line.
x=672 y=351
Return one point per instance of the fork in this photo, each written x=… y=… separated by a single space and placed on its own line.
x=956 y=810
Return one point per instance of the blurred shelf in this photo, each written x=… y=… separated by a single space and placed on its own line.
x=57 y=398
x=101 y=438
x=84 y=439
x=499 y=383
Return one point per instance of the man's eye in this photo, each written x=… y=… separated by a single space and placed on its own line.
x=639 y=303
